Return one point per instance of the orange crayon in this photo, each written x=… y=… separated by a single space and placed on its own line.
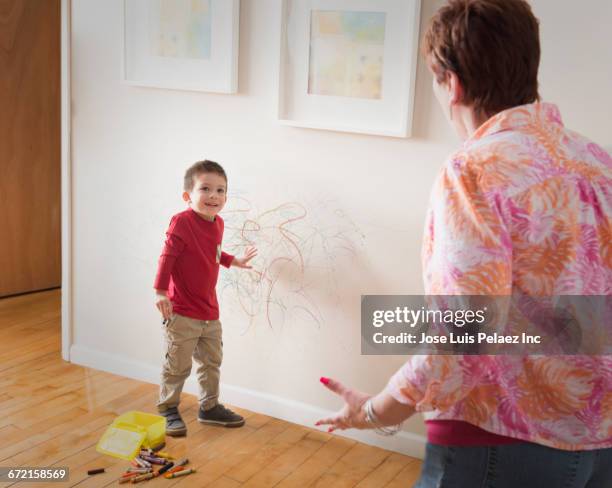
x=183 y=472
x=129 y=474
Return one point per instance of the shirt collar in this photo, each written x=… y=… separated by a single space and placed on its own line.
x=533 y=114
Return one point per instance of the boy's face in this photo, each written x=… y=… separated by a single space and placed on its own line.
x=208 y=195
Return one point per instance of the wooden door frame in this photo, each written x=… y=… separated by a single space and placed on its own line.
x=66 y=178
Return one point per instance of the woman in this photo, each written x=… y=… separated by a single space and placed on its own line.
x=524 y=207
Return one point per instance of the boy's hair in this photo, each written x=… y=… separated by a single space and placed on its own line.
x=493 y=46
x=200 y=167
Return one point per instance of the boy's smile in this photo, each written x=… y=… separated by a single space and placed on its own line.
x=208 y=195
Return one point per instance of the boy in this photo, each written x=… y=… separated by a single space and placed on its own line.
x=186 y=297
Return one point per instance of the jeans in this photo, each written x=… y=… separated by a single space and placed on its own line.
x=523 y=465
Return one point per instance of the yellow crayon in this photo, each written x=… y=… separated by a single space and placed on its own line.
x=184 y=472
x=163 y=454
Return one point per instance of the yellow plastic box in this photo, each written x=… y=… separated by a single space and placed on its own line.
x=131 y=431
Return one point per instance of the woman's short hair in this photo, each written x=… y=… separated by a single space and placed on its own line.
x=493 y=47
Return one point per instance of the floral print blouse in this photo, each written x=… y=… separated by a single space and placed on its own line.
x=524 y=206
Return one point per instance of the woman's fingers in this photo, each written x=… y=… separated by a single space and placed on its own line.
x=327 y=421
x=353 y=399
x=336 y=422
x=335 y=386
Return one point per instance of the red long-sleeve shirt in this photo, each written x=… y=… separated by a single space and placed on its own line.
x=189 y=265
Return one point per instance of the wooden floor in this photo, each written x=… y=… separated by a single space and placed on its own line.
x=52 y=413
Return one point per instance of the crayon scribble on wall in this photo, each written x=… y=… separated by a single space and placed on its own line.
x=300 y=251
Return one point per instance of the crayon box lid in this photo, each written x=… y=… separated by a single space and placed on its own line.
x=122 y=440
x=153 y=425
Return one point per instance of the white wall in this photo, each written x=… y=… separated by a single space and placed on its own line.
x=131 y=146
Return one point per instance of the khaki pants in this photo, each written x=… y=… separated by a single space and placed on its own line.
x=188 y=338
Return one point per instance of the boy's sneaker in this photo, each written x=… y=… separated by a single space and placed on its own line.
x=219 y=415
x=175 y=427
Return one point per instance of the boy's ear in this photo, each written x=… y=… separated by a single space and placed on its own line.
x=186 y=197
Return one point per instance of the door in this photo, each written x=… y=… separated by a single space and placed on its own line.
x=30 y=246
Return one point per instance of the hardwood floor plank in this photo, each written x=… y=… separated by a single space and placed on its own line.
x=47 y=403
x=318 y=464
x=268 y=453
x=385 y=472
x=31 y=352
x=34 y=364
x=23 y=394
x=225 y=482
x=216 y=468
x=354 y=466
x=286 y=463
x=24 y=439
x=407 y=476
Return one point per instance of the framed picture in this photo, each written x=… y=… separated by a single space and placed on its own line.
x=182 y=44
x=349 y=65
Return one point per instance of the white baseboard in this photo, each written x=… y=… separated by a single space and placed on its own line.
x=264 y=403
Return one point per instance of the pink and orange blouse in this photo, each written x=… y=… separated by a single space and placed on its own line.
x=524 y=206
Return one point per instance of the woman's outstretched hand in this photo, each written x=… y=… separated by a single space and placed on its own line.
x=351 y=416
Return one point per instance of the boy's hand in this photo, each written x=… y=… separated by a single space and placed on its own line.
x=243 y=262
x=163 y=304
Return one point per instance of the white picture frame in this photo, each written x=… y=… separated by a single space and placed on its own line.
x=181 y=44
x=349 y=65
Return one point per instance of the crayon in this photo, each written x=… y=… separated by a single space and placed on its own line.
x=163 y=454
x=139 y=470
x=176 y=468
x=165 y=468
x=184 y=472
x=181 y=462
x=143 y=462
x=143 y=477
x=95 y=471
x=153 y=459
x=131 y=474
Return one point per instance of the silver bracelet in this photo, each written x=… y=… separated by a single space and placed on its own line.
x=373 y=420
